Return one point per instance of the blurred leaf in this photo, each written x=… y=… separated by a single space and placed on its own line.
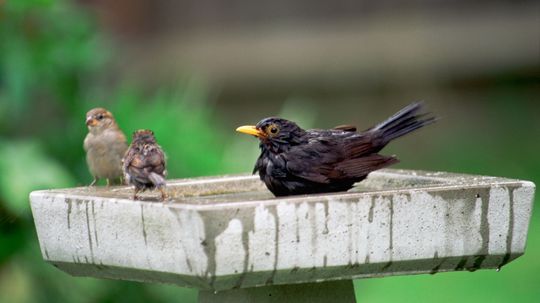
x=25 y=5
x=15 y=284
x=25 y=168
x=47 y=50
x=301 y=111
x=14 y=235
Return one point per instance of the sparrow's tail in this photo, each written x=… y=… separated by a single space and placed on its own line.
x=403 y=122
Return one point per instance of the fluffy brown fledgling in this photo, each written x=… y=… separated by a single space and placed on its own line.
x=144 y=164
x=105 y=145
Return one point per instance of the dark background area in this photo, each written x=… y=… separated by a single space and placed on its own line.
x=195 y=70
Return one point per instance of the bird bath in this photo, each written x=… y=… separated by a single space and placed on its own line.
x=230 y=238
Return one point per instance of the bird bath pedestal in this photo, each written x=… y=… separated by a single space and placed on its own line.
x=231 y=239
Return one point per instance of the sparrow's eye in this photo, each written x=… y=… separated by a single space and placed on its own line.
x=272 y=129
x=99 y=117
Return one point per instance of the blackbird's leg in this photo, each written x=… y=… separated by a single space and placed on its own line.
x=163 y=193
x=94 y=182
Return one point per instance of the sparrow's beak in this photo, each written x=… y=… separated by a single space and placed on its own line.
x=251 y=130
x=90 y=121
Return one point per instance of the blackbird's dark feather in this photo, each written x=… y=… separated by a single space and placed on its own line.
x=346 y=127
x=295 y=161
x=144 y=163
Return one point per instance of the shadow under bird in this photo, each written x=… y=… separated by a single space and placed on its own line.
x=105 y=145
x=295 y=161
x=144 y=164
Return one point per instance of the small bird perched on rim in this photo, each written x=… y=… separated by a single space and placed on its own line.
x=105 y=145
x=144 y=164
x=294 y=161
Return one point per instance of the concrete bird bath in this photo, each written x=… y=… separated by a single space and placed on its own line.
x=230 y=238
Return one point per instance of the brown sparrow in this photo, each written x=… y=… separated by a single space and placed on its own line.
x=105 y=145
x=144 y=164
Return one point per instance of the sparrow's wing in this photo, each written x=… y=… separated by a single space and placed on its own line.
x=155 y=159
x=134 y=165
x=128 y=158
x=146 y=164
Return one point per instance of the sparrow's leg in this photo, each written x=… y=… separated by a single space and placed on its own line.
x=94 y=182
x=163 y=193
x=135 y=194
x=108 y=182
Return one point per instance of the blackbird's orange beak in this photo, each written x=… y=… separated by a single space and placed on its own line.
x=91 y=121
x=251 y=130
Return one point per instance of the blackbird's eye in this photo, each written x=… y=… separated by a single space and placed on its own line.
x=272 y=129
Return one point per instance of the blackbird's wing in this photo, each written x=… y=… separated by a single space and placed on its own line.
x=312 y=162
x=336 y=155
x=361 y=167
x=345 y=128
x=364 y=143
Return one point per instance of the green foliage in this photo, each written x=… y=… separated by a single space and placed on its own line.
x=18 y=161
x=47 y=50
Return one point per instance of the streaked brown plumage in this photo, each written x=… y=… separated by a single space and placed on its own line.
x=295 y=161
x=105 y=145
x=144 y=164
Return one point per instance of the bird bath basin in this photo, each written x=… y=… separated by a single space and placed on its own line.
x=230 y=238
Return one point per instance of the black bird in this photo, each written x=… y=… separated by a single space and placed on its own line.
x=295 y=161
x=144 y=164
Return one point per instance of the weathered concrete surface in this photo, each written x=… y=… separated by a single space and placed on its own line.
x=222 y=233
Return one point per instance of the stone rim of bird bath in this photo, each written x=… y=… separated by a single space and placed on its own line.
x=228 y=232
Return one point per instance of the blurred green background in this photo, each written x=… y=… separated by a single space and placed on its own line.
x=193 y=71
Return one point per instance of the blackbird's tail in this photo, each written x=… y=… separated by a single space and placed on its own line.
x=403 y=122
